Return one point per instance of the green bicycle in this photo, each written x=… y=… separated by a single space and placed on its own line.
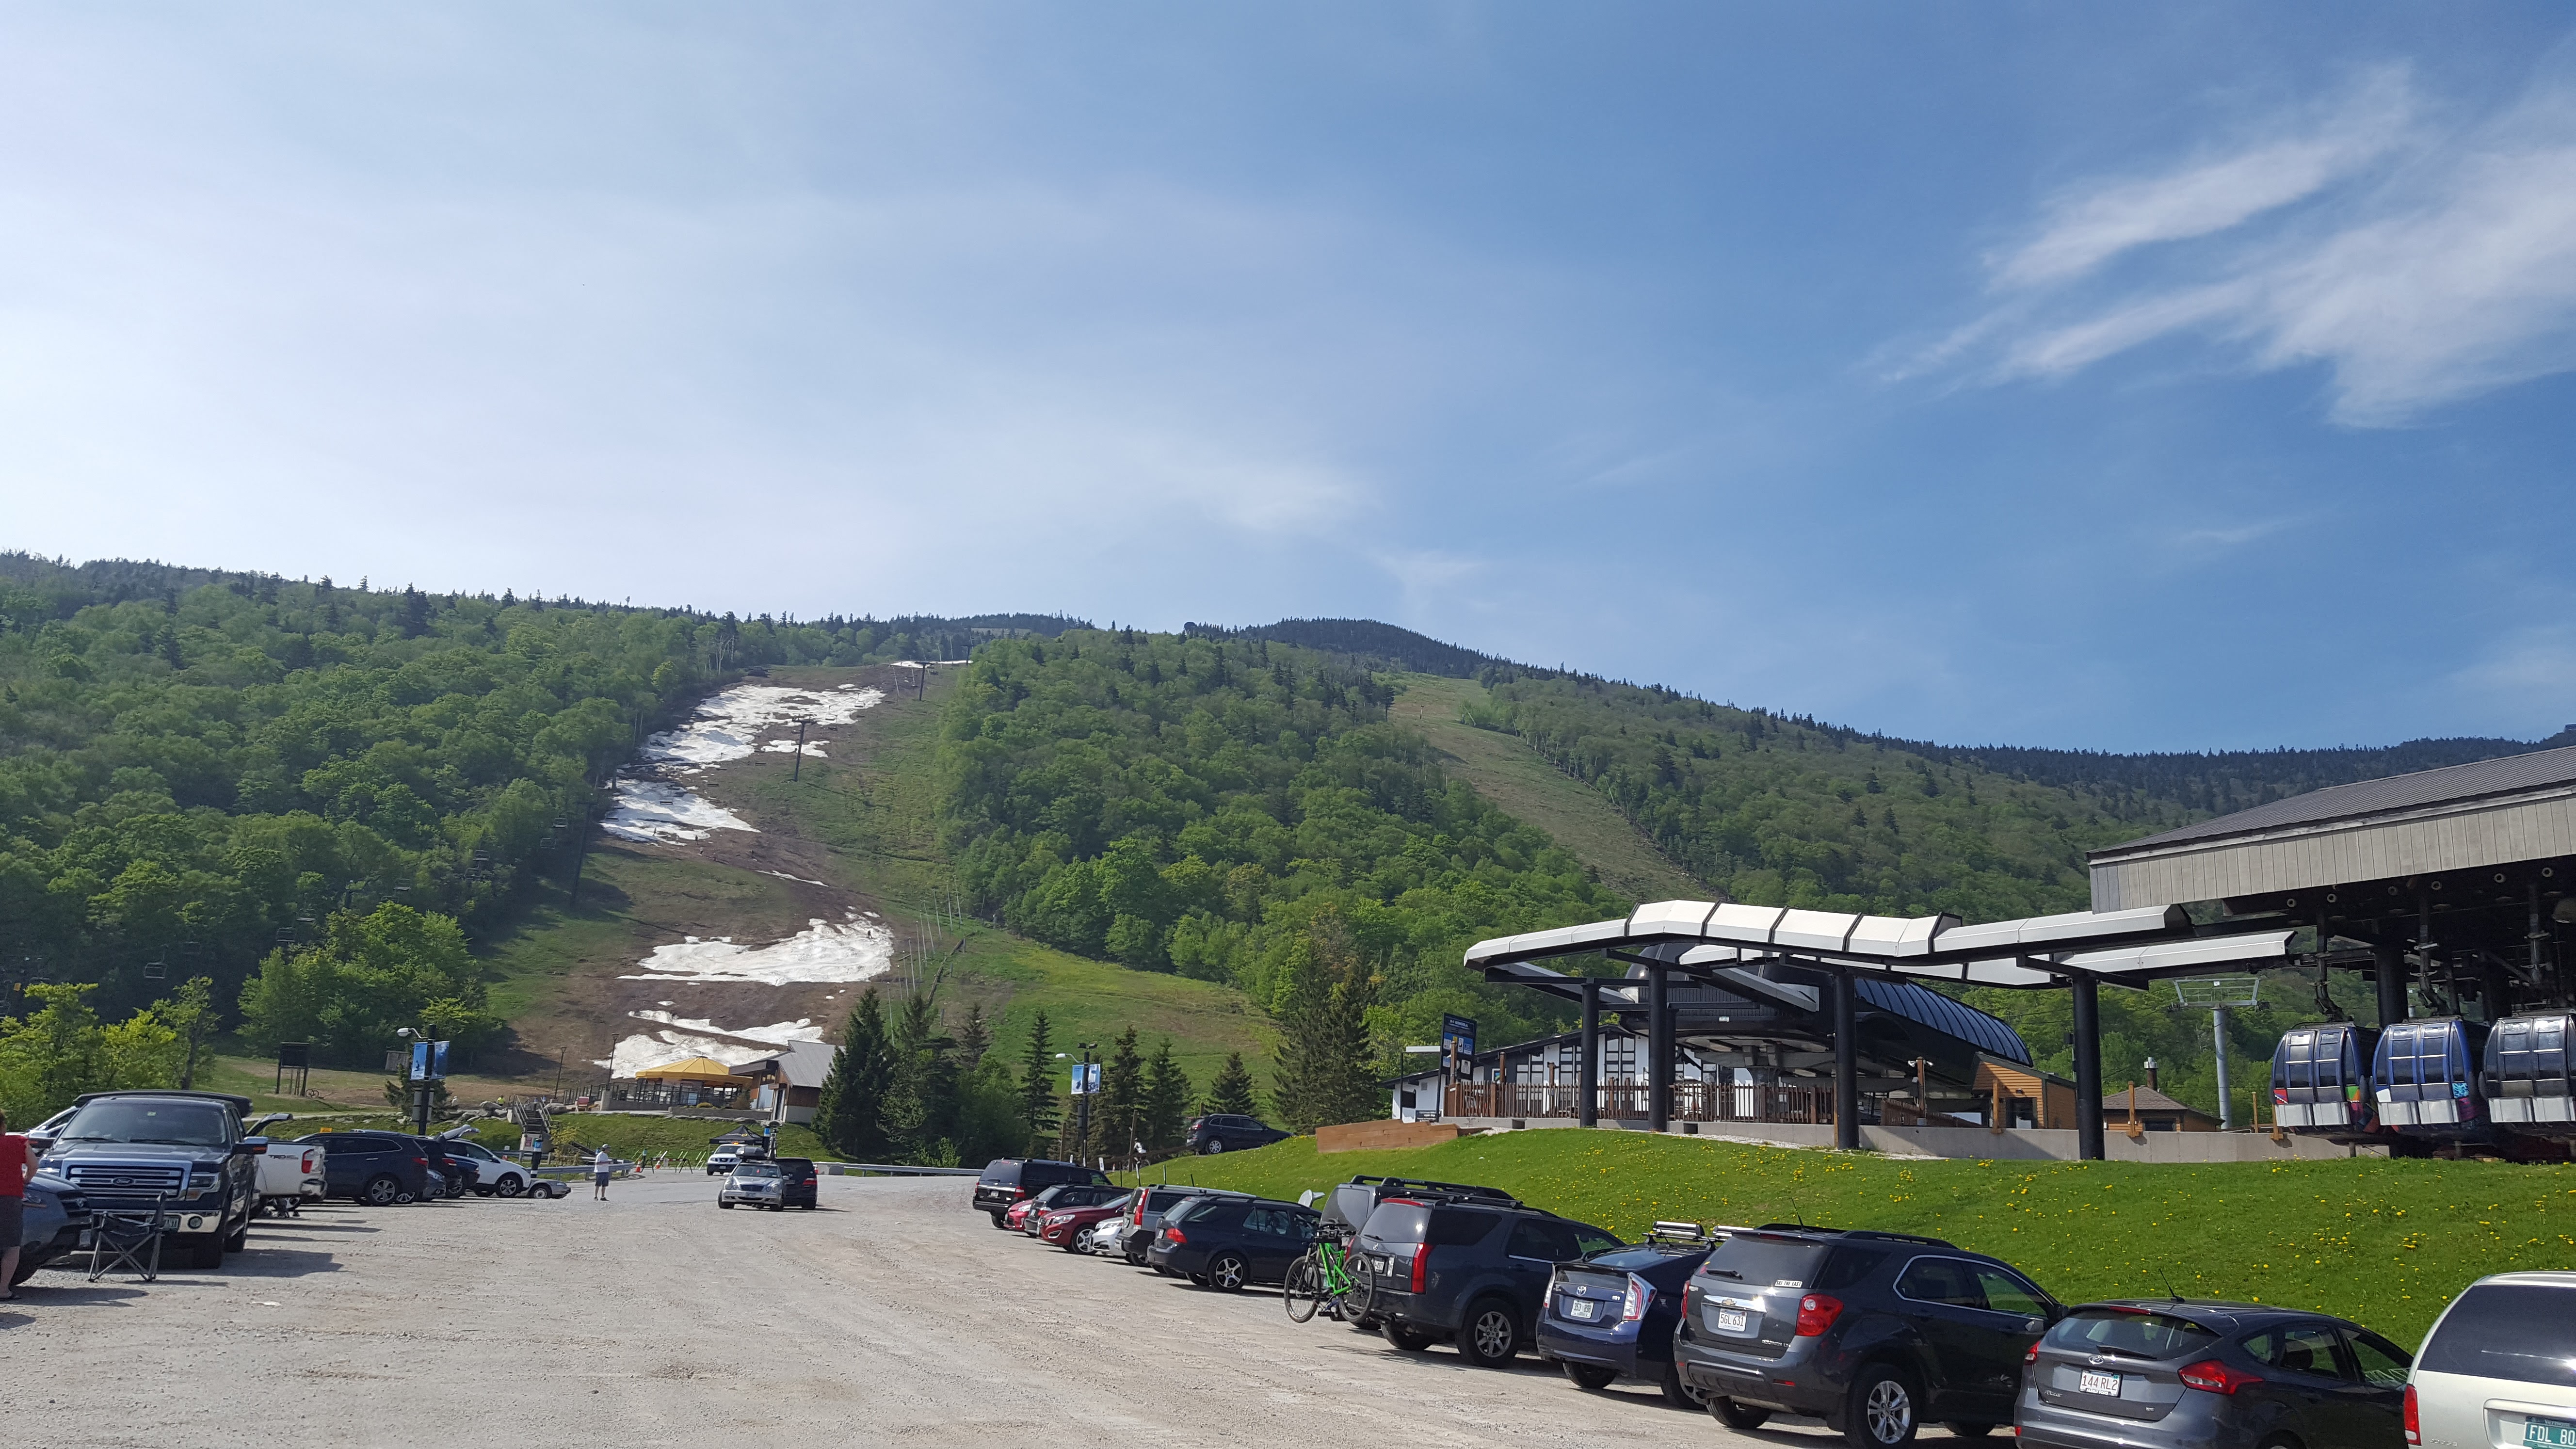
x=1322 y=1275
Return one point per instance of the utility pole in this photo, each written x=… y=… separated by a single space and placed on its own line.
x=798 y=772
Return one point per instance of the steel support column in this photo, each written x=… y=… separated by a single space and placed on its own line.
x=1846 y=1064
x=2088 y=1068
x=1587 y=1077
x=2388 y=972
x=1659 y=1053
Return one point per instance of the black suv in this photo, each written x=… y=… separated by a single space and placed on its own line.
x=187 y=1151
x=375 y=1168
x=1226 y=1132
x=798 y=1185
x=1008 y=1179
x=1473 y=1266
x=1875 y=1333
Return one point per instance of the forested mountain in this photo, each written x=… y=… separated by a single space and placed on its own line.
x=198 y=767
x=1201 y=805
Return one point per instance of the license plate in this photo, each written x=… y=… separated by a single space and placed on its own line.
x=1730 y=1320
x=2555 y=1433
x=2099 y=1383
x=1582 y=1307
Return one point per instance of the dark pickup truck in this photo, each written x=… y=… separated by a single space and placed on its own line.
x=188 y=1152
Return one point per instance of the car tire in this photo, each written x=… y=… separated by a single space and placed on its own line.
x=1678 y=1391
x=1737 y=1416
x=1884 y=1409
x=1228 y=1273
x=26 y=1269
x=1490 y=1335
x=203 y=1257
x=720 y=1202
x=1215 y=1146
x=1590 y=1377
x=239 y=1237
x=511 y=1185
x=998 y=1224
x=383 y=1190
x=1410 y=1340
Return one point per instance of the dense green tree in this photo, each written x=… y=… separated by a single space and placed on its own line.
x=1117 y=1115
x=1037 y=1097
x=849 y=1112
x=370 y=975
x=921 y=1102
x=1326 y=1071
x=1164 y=1102
x=1230 y=1091
x=61 y=1049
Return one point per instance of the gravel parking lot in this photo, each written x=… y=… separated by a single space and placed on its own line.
x=893 y=1313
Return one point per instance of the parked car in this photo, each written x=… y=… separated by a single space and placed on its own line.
x=462 y=1169
x=1875 y=1333
x=1145 y=1218
x=1227 y=1132
x=723 y=1160
x=1008 y=1180
x=1611 y=1314
x=187 y=1151
x=2499 y=1366
x=1029 y=1215
x=494 y=1175
x=801 y=1186
x=760 y=1184
x=1227 y=1243
x=1066 y=1226
x=375 y=1168
x=289 y=1174
x=1105 y=1238
x=2164 y=1372
x=51 y=1222
x=1468 y=1268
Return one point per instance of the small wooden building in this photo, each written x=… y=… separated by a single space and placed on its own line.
x=2153 y=1112
x=2020 y=1096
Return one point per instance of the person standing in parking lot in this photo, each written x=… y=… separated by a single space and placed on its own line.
x=17 y=1164
x=599 y=1176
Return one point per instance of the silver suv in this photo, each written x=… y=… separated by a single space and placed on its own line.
x=2499 y=1367
x=759 y=1184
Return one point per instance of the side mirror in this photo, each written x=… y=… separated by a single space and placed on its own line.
x=2034 y=1325
x=251 y=1147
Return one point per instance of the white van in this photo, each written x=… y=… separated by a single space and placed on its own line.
x=2498 y=1370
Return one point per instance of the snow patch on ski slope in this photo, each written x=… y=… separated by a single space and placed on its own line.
x=857 y=949
x=650 y=803
x=676 y=1039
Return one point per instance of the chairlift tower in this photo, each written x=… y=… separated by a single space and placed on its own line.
x=2220 y=995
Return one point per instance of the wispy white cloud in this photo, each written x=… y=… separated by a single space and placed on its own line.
x=2428 y=265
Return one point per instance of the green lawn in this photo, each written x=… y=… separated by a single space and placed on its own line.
x=2385 y=1243
x=1509 y=773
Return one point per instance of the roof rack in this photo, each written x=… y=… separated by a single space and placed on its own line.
x=1680 y=1232
x=1864 y=1234
x=1448 y=1191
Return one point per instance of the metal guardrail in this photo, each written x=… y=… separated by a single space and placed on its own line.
x=894 y=1169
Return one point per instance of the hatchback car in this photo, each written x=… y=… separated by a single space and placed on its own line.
x=1875 y=1333
x=1466 y=1269
x=759 y=1184
x=2499 y=1367
x=1610 y=1315
x=1230 y=1132
x=2152 y=1373
x=1066 y=1225
x=1228 y=1243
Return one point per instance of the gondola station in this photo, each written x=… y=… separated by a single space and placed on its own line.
x=2444 y=890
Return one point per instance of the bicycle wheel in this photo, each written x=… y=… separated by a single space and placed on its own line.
x=1303 y=1290
x=1359 y=1288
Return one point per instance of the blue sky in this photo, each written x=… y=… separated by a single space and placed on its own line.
x=2166 y=377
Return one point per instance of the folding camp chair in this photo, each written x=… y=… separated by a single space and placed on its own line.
x=125 y=1238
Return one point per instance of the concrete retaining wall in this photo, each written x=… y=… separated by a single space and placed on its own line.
x=1383 y=1134
x=2030 y=1144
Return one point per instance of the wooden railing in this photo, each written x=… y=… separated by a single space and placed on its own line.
x=1691 y=1102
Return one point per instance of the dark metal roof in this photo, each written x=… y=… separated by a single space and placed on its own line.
x=1932 y=1009
x=2539 y=770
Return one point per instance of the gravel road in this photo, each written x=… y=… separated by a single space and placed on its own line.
x=893 y=1314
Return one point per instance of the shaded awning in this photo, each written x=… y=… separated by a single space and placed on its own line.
x=706 y=1070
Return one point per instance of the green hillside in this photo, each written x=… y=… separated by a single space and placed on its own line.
x=2385 y=1243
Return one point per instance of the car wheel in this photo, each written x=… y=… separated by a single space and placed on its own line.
x=2281 y=1441
x=240 y=1237
x=383 y=1191
x=1738 y=1416
x=205 y=1257
x=1590 y=1376
x=720 y=1202
x=1678 y=1391
x=1491 y=1334
x=1979 y=1431
x=1228 y=1273
x=1881 y=1412
x=998 y=1223
x=1215 y=1146
x=1411 y=1340
x=511 y=1186
x=26 y=1270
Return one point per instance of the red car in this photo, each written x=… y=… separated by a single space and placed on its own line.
x=1065 y=1226
x=1029 y=1213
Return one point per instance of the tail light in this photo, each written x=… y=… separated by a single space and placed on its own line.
x=2212 y=1377
x=1421 y=1268
x=1639 y=1295
x=1173 y=1235
x=420 y=1162
x=2414 y=1426
x=2031 y=1354
x=308 y=1159
x=1816 y=1313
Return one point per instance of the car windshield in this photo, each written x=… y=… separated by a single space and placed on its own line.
x=2520 y=1331
x=2130 y=1333
x=179 y=1124
x=1643 y=1256
x=756 y=1169
x=1765 y=1262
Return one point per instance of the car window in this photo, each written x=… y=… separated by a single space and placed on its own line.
x=1589 y=1240
x=1765 y=1262
x=2383 y=1364
x=179 y=1124
x=1458 y=1227
x=1269 y=1221
x=1847 y=1265
x=1531 y=1239
x=2007 y=1294
x=2519 y=1331
x=2299 y=1348
x=2130 y=1333
x=1941 y=1280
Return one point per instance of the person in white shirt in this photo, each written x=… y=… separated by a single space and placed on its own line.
x=599 y=1176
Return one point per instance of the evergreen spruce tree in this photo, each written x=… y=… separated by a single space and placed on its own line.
x=850 y=1114
x=1164 y=1106
x=1037 y=1082
x=921 y=1091
x=974 y=1038
x=1117 y=1123
x=1230 y=1090
x=1323 y=1072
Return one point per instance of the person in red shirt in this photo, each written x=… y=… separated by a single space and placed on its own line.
x=17 y=1164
